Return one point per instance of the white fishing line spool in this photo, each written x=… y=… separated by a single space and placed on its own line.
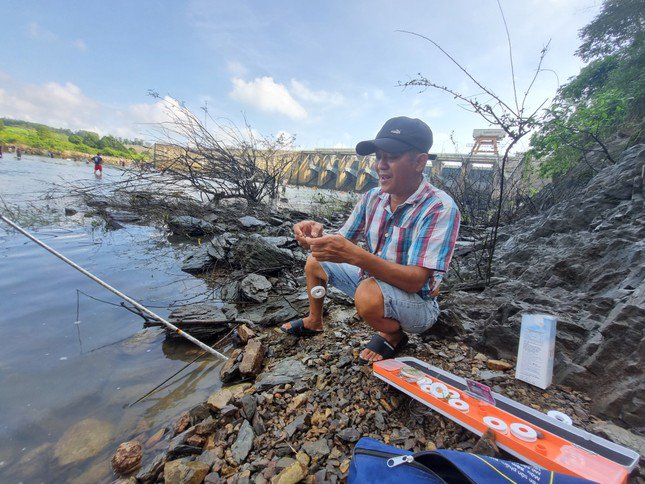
x=523 y=432
x=560 y=417
x=496 y=424
x=439 y=390
x=425 y=387
x=459 y=404
x=318 y=292
x=425 y=381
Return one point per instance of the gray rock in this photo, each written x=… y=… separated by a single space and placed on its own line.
x=70 y=211
x=254 y=254
x=317 y=449
x=249 y=405
x=149 y=473
x=288 y=370
x=255 y=287
x=249 y=222
x=621 y=436
x=197 y=262
x=192 y=226
x=349 y=435
x=243 y=443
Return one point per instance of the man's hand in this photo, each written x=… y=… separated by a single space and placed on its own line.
x=332 y=248
x=307 y=229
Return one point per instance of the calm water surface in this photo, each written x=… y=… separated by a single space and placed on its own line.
x=57 y=368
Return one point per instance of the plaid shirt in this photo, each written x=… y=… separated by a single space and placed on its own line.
x=421 y=232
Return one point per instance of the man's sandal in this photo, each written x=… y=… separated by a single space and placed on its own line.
x=298 y=329
x=383 y=348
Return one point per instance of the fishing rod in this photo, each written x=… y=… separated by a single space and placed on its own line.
x=144 y=309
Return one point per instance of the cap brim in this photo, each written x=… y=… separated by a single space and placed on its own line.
x=388 y=145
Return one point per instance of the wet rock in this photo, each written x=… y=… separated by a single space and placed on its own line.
x=82 y=441
x=123 y=217
x=34 y=462
x=220 y=398
x=254 y=254
x=182 y=423
x=243 y=443
x=249 y=222
x=252 y=360
x=255 y=287
x=70 y=211
x=191 y=226
x=231 y=369
x=127 y=457
x=184 y=471
x=197 y=262
x=150 y=472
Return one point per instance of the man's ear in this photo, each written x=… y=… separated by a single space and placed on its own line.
x=421 y=162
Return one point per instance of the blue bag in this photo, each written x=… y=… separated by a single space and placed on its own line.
x=374 y=461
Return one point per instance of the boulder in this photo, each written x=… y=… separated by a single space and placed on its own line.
x=83 y=440
x=249 y=222
x=255 y=287
x=255 y=254
x=191 y=226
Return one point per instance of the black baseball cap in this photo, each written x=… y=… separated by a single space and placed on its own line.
x=398 y=135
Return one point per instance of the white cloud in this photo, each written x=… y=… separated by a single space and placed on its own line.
x=59 y=105
x=80 y=45
x=36 y=32
x=302 y=91
x=265 y=94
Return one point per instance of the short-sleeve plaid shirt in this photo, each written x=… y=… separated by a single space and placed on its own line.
x=421 y=232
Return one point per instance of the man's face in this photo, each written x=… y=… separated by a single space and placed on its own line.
x=399 y=173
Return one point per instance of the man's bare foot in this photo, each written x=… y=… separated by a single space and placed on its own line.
x=392 y=338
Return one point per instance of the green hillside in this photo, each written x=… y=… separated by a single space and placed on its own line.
x=63 y=141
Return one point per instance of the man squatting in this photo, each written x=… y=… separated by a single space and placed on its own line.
x=409 y=228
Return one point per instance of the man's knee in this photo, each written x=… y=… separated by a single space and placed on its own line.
x=313 y=267
x=369 y=300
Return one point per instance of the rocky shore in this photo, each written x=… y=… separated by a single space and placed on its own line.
x=292 y=408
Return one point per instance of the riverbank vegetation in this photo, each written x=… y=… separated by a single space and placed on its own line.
x=64 y=142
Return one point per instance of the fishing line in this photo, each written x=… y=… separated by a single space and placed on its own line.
x=115 y=291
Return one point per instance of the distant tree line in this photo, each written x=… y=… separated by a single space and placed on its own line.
x=40 y=136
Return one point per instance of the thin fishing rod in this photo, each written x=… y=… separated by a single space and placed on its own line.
x=168 y=324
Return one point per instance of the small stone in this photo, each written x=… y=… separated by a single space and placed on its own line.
x=182 y=423
x=291 y=475
x=349 y=435
x=127 y=457
x=245 y=333
x=243 y=443
x=156 y=437
x=253 y=357
x=499 y=365
x=184 y=471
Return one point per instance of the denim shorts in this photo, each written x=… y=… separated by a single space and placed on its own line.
x=414 y=314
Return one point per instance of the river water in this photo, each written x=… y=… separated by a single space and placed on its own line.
x=69 y=352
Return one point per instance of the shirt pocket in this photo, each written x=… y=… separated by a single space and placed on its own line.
x=398 y=243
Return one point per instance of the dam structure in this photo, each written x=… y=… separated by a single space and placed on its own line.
x=343 y=169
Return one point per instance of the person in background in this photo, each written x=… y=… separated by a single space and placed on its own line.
x=409 y=228
x=19 y=153
x=98 y=164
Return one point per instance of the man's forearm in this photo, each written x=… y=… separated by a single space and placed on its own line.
x=408 y=278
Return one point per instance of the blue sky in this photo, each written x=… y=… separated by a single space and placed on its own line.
x=326 y=72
